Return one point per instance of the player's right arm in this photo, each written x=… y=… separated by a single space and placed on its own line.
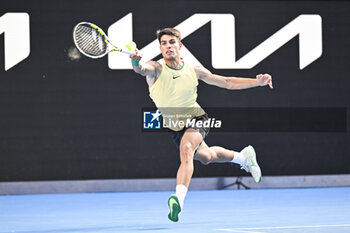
x=150 y=69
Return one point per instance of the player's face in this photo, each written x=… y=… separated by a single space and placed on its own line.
x=170 y=47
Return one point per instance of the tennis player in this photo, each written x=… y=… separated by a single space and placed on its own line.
x=173 y=87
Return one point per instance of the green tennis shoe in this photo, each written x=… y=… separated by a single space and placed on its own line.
x=174 y=208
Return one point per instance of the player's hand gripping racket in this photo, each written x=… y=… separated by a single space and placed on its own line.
x=93 y=42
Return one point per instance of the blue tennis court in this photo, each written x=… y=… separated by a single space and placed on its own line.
x=248 y=211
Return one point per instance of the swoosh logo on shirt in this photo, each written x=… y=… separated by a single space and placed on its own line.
x=175 y=77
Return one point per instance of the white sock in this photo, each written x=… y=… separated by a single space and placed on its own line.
x=181 y=191
x=238 y=158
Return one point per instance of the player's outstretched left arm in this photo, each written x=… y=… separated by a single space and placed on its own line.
x=232 y=83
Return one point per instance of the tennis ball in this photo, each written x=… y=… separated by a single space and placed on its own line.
x=130 y=46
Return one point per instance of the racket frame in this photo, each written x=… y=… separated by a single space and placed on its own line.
x=110 y=47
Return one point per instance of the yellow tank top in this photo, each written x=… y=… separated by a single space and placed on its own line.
x=175 y=95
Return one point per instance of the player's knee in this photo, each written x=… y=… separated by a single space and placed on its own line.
x=205 y=161
x=186 y=152
x=207 y=158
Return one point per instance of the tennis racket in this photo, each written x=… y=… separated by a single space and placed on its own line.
x=91 y=41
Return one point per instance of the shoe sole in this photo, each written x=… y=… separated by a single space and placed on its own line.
x=174 y=208
x=253 y=163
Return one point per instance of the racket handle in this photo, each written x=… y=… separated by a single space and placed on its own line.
x=126 y=52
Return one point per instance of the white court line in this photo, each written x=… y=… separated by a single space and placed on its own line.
x=239 y=231
x=249 y=230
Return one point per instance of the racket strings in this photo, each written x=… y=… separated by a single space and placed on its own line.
x=90 y=41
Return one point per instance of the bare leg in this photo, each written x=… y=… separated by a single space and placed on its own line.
x=213 y=154
x=217 y=154
x=188 y=145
